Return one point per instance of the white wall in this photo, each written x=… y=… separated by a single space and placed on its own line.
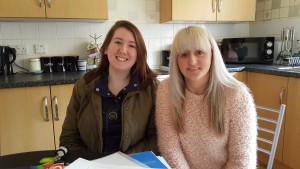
x=71 y=38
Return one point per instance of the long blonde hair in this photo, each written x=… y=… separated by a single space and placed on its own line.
x=194 y=37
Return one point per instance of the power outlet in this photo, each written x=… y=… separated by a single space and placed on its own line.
x=21 y=49
x=297 y=44
x=40 y=48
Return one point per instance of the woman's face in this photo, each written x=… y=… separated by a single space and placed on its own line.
x=121 y=51
x=195 y=65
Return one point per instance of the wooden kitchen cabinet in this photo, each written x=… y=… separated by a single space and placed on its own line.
x=22 y=8
x=291 y=153
x=54 y=9
x=241 y=76
x=269 y=91
x=202 y=10
x=23 y=125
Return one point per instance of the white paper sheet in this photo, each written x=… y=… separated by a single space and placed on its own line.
x=81 y=163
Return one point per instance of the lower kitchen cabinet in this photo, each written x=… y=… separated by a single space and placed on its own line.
x=241 y=76
x=269 y=91
x=25 y=124
x=291 y=152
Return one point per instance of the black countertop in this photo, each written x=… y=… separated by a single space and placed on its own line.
x=57 y=78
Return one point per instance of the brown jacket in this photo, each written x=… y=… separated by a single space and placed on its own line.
x=82 y=128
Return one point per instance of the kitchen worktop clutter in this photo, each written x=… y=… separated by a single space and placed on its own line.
x=57 y=64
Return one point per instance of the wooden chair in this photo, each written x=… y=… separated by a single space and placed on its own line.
x=269 y=125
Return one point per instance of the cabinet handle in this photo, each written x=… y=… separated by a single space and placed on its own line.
x=40 y=3
x=214 y=5
x=46 y=118
x=281 y=95
x=56 y=107
x=219 y=5
x=49 y=3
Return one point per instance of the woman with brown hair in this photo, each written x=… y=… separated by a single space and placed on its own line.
x=112 y=107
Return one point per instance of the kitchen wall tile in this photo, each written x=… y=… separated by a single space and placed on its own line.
x=112 y=5
x=65 y=30
x=260 y=6
x=294 y=11
x=81 y=29
x=166 y=31
x=268 y=5
x=166 y=43
x=51 y=47
x=97 y=28
x=285 y=3
x=284 y=12
x=151 y=6
x=154 y=59
x=214 y=29
x=177 y=27
x=276 y=4
x=259 y=16
x=132 y=16
x=275 y=13
x=267 y=15
x=143 y=29
x=294 y=2
x=29 y=30
x=66 y=47
x=80 y=47
x=10 y=30
x=47 y=30
x=155 y=31
x=153 y=17
x=154 y=45
x=11 y=42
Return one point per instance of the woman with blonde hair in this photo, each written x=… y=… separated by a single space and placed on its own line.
x=205 y=117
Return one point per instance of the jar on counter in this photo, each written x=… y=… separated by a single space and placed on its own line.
x=34 y=65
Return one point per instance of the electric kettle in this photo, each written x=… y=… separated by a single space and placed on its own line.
x=7 y=58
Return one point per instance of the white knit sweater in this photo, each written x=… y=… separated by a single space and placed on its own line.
x=200 y=147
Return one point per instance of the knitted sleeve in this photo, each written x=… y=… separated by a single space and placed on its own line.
x=168 y=139
x=242 y=141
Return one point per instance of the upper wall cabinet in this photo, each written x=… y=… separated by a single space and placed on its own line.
x=54 y=9
x=203 y=10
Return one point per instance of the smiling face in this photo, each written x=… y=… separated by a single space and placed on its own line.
x=121 y=51
x=195 y=65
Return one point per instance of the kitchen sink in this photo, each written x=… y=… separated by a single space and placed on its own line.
x=290 y=69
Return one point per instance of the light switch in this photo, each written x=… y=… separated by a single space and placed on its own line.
x=40 y=48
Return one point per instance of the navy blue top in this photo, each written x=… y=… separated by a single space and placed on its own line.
x=112 y=112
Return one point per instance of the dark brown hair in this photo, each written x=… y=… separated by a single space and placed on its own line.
x=140 y=68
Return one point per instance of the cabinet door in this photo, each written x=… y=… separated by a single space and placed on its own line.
x=77 y=9
x=241 y=76
x=193 y=10
x=63 y=94
x=237 y=10
x=188 y=10
x=22 y=124
x=291 y=154
x=22 y=8
x=202 y=10
x=266 y=91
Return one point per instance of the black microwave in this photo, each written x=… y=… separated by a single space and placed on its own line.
x=258 y=50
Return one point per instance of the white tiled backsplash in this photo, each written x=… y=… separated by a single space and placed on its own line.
x=273 y=15
x=71 y=38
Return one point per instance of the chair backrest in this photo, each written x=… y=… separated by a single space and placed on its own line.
x=269 y=125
